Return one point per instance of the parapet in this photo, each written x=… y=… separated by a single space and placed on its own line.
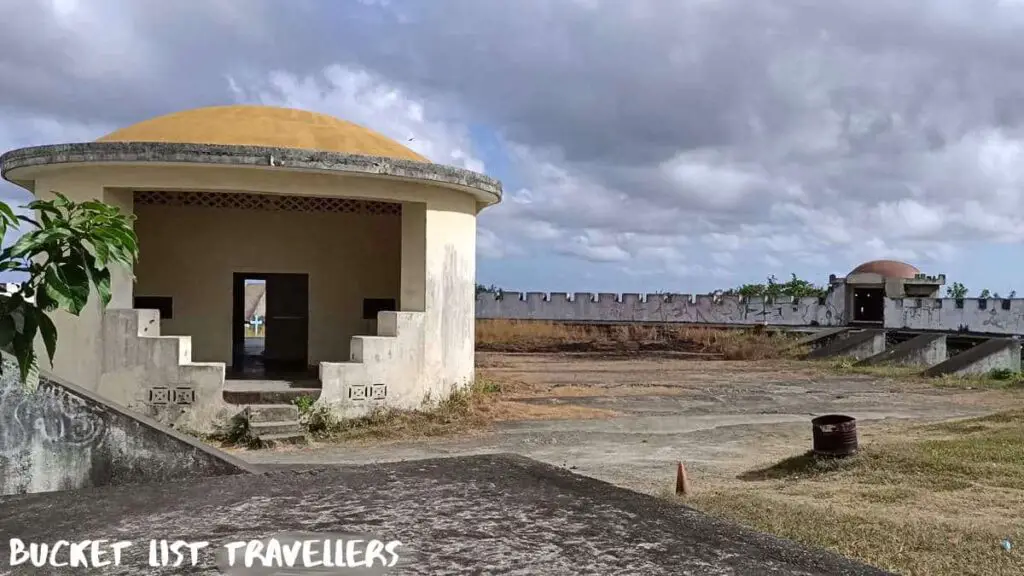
x=661 y=307
x=926 y=279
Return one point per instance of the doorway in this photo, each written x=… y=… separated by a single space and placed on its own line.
x=270 y=324
x=869 y=305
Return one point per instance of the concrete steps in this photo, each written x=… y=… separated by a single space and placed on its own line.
x=275 y=424
x=268 y=396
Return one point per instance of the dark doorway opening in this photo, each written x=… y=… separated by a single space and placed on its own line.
x=270 y=324
x=869 y=305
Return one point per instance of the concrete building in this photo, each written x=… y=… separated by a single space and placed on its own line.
x=367 y=251
x=869 y=285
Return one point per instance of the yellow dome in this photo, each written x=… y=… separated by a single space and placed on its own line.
x=268 y=126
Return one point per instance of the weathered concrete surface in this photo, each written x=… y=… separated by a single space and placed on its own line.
x=994 y=354
x=923 y=350
x=684 y=308
x=62 y=437
x=858 y=345
x=978 y=315
x=721 y=418
x=501 y=514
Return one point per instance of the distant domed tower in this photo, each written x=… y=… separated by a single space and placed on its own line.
x=871 y=283
x=887 y=269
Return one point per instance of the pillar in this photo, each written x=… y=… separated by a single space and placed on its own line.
x=412 y=296
x=450 y=321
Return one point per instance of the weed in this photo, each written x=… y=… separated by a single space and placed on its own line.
x=304 y=403
x=459 y=410
x=237 y=432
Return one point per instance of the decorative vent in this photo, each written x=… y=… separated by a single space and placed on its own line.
x=358 y=392
x=270 y=202
x=378 y=391
x=184 y=396
x=159 y=396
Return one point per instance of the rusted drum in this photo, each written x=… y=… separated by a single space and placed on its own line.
x=834 y=435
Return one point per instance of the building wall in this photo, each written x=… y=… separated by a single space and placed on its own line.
x=990 y=315
x=80 y=351
x=190 y=254
x=829 y=311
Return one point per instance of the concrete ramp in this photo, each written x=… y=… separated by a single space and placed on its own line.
x=821 y=337
x=63 y=437
x=922 y=350
x=857 y=345
x=994 y=354
x=418 y=503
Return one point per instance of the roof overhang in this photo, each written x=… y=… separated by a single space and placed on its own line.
x=19 y=166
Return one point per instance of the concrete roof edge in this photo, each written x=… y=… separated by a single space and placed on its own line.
x=489 y=189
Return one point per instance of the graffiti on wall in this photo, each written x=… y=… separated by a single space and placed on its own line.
x=48 y=414
x=684 y=308
x=978 y=315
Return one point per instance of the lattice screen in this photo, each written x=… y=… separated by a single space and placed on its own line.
x=272 y=202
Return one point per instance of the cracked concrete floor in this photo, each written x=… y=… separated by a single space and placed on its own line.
x=719 y=418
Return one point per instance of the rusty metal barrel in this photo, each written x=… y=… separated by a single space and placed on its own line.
x=835 y=435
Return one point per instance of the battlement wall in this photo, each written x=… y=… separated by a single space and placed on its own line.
x=982 y=315
x=683 y=308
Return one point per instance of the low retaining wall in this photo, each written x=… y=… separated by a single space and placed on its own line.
x=857 y=345
x=62 y=437
x=922 y=350
x=994 y=354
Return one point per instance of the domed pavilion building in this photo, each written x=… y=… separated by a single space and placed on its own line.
x=366 y=251
x=869 y=285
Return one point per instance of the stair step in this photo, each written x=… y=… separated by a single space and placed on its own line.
x=272 y=440
x=263 y=397
x=263 y=429
x=273 y=412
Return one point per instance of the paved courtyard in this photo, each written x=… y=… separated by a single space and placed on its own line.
x=645 y=415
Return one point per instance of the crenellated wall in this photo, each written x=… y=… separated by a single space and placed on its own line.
x=585 y=306
x=982 y=315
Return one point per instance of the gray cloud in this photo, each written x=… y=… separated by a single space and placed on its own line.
x=794 y=128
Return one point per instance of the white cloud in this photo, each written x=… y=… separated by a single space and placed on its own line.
x=366 y=99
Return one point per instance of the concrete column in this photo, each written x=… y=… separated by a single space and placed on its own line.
x=412 y=297
x=450 y=292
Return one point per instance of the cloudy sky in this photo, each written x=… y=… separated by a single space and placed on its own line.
x=644 y=145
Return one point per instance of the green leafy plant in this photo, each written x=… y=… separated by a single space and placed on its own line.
x=69 y=252
x=957 y=291
x=795 y=287
x=304 y=403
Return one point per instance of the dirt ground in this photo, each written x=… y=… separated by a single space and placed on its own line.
x=629 y=421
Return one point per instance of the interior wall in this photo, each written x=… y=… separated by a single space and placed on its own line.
x=190 y=254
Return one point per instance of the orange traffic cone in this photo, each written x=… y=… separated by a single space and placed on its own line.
x=682 y=481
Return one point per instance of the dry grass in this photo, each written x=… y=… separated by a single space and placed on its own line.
x=485 y=402
x=542 y=336
x=934 y=499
